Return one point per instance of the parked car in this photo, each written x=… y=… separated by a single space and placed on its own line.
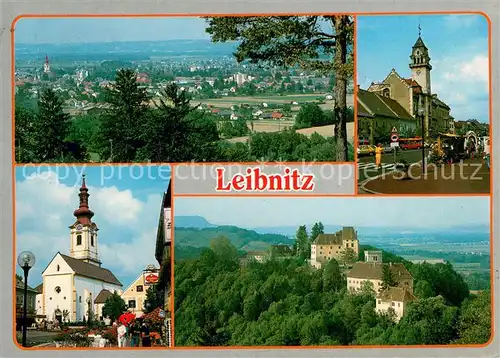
x=363 y=150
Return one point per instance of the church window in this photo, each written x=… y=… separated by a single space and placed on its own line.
x=64 y=297
x=57 y=289
x=139 y=288
x=78 y=239
x=80 y=299
x=58 y=268
x=92 y=240
x=50 y=298
x=131 y=304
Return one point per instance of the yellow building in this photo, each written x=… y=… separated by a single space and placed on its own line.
x=415 y=95
x=135 y=296
x=332 y=246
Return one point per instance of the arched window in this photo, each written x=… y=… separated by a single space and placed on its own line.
x=92 y=240
x=78 y=240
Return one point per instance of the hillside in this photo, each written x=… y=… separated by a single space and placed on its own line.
x=195 y=221
x=242 y=239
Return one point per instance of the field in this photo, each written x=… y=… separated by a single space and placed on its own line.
x=275 y=126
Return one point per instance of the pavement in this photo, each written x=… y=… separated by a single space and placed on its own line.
x=467 y=177
x=39 y=337
x=367 y=168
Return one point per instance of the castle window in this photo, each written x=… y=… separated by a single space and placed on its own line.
x=392 y=304
x=352 y=245
x=379 y=301
x=399 y=304
x=92 y=240
x=78 y=240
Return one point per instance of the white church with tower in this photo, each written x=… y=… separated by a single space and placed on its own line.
x=72 y=283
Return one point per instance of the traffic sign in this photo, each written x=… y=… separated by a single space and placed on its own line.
x=394 y=144
x=394 y=137
x=394 y=130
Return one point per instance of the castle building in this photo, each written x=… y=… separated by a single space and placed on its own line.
x=373 y=272
x=413 y=94
x=332 y=246
x=72 y=283
x=394 y=299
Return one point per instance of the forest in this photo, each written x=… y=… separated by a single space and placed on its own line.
x=133 y=131
x=219 y=301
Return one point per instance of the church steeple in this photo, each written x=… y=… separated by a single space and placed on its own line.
x=420 y=63
x=83 y=213
x=84 y=232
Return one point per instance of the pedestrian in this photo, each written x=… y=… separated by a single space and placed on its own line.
x=146 y=339
x=378 y=156
x=122 y=332
x=487 y=152
x=134 y=333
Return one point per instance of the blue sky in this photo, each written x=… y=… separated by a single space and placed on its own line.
x=458 y=46
x=406 y=212
x=126 y=202
x=66 y=30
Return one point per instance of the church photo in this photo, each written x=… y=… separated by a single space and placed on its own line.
x=423 y=92
x=89 y=237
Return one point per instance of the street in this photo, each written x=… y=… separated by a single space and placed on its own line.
x=38 y=337
x=367 y=168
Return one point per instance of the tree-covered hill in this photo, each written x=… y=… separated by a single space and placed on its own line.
x=219 y=302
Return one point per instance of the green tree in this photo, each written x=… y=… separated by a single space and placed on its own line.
x=348 y=256
x=302 y=245
x=317 y=229
x=25 y=135
x=388 y=279
x=126 y=123
x=310 y=115
x=114 y=307
x=423 y=289
x=50 y=128
x=289 y=41
x=332 y=277
x=154 y=299
x=474 y=324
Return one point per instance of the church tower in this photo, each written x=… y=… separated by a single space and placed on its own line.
x=83 y=233
x=420 y=64
x=46 y=65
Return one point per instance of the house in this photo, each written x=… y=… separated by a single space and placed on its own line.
x=332 y=246
x=135 y=295
x=394 y=299
x=163 y=249
x=99 y=303
x=373 y=272
x=277 y=115
x=30 y=303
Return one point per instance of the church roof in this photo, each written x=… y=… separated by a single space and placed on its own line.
x=419 y=43
x=103 y=296
x=82 y=268
x=399 y=294
x=380 y=105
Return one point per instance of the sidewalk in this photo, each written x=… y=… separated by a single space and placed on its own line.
x=469 y=177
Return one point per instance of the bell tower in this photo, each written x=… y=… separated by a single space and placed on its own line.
x=83 y=233
x=420 y=64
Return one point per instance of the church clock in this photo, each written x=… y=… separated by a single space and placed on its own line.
x=79 y=227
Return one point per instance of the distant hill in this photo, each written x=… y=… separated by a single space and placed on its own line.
x=195 y=221
x=246 y=240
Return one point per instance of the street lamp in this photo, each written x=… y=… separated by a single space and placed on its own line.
x=421 y=114
x=26 y=260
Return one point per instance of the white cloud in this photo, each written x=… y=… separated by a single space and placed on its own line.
x=460 y=21
x=463 y=83
x=44 y=210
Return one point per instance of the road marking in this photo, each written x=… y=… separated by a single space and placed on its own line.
x=373 y=166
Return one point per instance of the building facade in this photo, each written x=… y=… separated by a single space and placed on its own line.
x=135 y=296
x=372 y=272
x=163 y=256
x=72 y=283
x=414 y=93
x=332 y=246
x=395 y=299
